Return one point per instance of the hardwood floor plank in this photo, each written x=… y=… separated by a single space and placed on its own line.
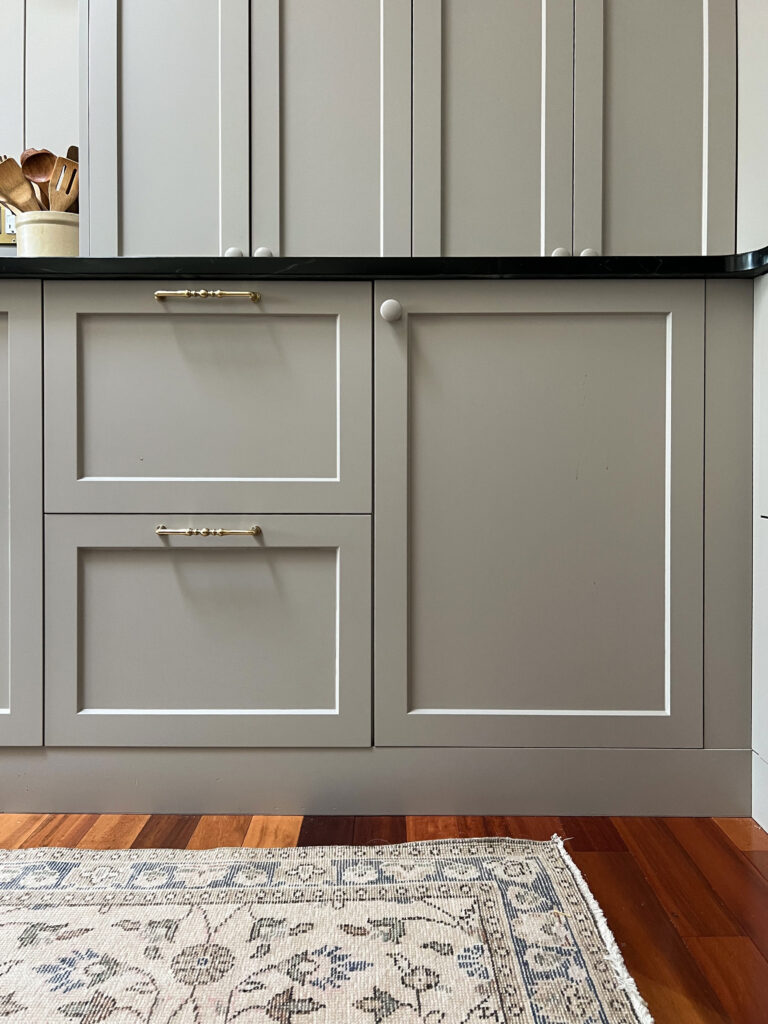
x=273 y=830
x=541 y=828
x=60 y=830
x=471 y=827
x=219 y=830
x=430 y=826
x=737 y=973
x=665 y=970
x=596 y=834
x=113 y=832
x=760 y=859
x=329 y=830
x=495 y=825
x=376 y=831
x=166 y=832
x=744 y=833
x=682 y=889
x=732 y=876
x=14 y=828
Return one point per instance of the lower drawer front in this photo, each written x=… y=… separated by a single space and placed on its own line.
x=204 y=639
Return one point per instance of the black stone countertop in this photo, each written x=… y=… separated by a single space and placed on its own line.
x=365 y=268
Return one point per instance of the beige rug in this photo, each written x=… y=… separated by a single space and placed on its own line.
x=449 y=932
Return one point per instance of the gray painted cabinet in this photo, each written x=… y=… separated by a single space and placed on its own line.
x=21 y=550
x=397 y=127
x=219 y=641
x=539 y=527
x=208 y=405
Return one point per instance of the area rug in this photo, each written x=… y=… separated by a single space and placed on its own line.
x=446 y=932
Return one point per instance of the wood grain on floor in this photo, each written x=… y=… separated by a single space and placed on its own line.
x=686 y=898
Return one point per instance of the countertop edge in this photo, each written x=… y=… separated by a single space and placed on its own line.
x=381 y=268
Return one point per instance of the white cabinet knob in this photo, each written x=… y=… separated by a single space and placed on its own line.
x=560 y=251
x=589 y=252
x=263 y=251
x=391 y=310
x=233 y=251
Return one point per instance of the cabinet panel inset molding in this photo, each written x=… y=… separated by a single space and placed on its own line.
x=538 y=519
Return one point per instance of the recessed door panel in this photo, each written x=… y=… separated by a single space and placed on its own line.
x=208 y=404
x=539 y=471
x=208 y=640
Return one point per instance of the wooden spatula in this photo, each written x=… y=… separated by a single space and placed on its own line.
x=64 y=184
x=15 y=188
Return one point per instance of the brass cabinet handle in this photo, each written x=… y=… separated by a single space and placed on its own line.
x=203 y=293
x=163 y=531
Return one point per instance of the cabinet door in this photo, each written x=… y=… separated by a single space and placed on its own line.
x=208 y=640
x=166 y=154
x=655 y=127
x=330 y=127
x=21 y=550
x=208 y=405
x=539 y=506
x=492 y=127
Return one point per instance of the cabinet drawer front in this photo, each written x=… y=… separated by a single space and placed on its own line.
x=208 y=404
x=207 y=640
x=539 y=482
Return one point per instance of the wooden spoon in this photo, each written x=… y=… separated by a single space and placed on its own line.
x=73 y=153
x=38 y=165
x=64 y=185
x=15 y=187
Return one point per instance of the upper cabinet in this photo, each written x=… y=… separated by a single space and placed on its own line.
x=654 y=127
x=410 y=127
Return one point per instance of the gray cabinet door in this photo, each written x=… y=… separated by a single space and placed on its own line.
x=208 y=640
x=330 y=127
x=208 y=405
x=165 y=103
x=538 y=514
x=492 y=127
x=21 y=550
x=654 y=126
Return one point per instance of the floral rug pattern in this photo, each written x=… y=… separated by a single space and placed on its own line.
x=448 y=932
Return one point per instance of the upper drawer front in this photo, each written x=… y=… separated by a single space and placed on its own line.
x=207 y=404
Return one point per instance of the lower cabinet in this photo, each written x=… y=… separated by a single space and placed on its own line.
x=256 y=637
x=21 y=536
x=539 y=514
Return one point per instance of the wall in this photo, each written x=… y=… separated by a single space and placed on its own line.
x=38 y=77
x=752 y=200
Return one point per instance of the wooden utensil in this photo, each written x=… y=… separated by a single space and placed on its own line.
x=37 y=165
x=15 y=187
x=64 y=184
x=73 y=153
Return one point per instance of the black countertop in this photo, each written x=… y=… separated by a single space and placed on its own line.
x=365 y=268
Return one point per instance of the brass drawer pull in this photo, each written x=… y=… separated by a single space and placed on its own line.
x=203 y=293
x=163 y=531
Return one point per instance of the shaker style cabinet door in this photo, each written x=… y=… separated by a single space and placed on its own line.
x=492 y=127
x=205 y=404
x=330 y=127
x=21 y=550
x=165 y=98
x=654 y=127
x=208 y=640
x=539 y=514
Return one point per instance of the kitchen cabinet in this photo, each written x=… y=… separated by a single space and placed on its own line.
x=206 y=640
x=21 y=550
x=361 y=128
x=165 y=106
x=654 y=127
x=205 y=404
x=539 y=514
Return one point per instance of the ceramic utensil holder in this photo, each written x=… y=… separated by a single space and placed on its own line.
x=47 y=233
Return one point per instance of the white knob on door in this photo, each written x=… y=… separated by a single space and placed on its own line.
x=391 y=310
x=589 y=252
x=233 y=251
x=263 y=251
x=560 y=251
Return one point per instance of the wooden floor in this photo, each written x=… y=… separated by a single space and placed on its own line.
x=687 y=898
